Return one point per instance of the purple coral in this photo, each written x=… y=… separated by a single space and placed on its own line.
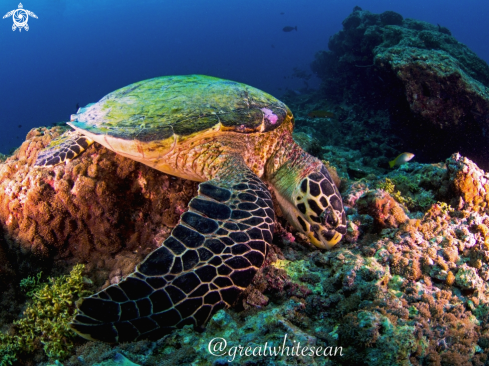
x=269 y=115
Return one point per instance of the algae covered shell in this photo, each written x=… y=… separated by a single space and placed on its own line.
x=159 y=108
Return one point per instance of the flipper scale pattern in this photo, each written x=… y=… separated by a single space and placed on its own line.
x=63 y=148
x=210 y=257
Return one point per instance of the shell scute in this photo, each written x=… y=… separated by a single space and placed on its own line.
x=155 y=109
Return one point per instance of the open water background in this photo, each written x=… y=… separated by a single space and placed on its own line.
x=78 y=51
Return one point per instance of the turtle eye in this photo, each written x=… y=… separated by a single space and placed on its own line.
x=329 y=218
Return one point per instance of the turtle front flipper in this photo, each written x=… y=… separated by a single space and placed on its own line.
x=210 y=257
x=63 y=148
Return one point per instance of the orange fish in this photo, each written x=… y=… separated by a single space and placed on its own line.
x=320 y=114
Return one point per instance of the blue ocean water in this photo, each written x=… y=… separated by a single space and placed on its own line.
x=78 y=51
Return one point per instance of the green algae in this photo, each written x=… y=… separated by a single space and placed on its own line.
x=394 y=346
x=46 y=317
x=406 y=190
x=297 y=270
x=467 y=278
x=157 y=108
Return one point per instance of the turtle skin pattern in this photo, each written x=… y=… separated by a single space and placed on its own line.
x=64 y=148
x=210 y=257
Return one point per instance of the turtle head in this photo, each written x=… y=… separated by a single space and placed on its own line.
x=319 y=209
x=312 y=204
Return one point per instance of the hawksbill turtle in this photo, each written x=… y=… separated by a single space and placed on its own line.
x=230 y=137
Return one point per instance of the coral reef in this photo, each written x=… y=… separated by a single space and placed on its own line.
x=426 y=79
x=101 y=209
x=414 y=293
x=409 y=283
x=97 y=209
x=469 y=183
x=384 y=210
x=407 y=287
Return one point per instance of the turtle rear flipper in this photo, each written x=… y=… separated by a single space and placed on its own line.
x=63 y=148
x=210 y=257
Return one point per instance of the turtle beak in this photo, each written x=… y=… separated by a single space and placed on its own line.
x=324 y=239
x=329 y=233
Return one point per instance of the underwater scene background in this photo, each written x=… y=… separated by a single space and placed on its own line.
x=81 y=51
x=392 y=98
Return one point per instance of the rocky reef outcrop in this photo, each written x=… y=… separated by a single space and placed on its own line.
x=100 y=209
x=435 y=88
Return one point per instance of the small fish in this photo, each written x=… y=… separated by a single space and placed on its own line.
x=401 y=159
x=20 y=126
x=282 y=13
x=320 y=114
x=289 y=28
